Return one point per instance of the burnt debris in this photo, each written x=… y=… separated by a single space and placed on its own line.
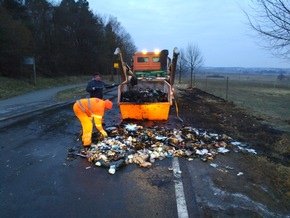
x=144 y=96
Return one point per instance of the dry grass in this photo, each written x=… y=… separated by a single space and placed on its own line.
x=262 y=95
x=12 y=87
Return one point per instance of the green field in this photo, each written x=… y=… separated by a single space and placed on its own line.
x=12 y=87
x=262 y=95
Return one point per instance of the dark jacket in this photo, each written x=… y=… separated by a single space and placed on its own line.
x=95 y=88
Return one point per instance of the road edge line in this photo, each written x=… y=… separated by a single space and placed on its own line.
x=179 y=191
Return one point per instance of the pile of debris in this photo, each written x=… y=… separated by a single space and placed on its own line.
x=144 y=95
x=131 y=143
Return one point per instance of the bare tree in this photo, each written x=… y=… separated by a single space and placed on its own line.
x=181 y=65
x=194 y=61
x=271 y=19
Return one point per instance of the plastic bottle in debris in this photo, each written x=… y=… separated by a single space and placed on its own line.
x=114 y=165
x=101 y=163
x=112 y=169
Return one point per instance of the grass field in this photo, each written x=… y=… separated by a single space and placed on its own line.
x=262 y=95
x=12 y=87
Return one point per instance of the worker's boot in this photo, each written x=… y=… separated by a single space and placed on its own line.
x=85 y=149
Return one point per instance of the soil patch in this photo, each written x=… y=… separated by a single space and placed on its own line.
x=203 y=110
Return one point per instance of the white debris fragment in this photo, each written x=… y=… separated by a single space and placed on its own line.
x=250 y=150
x=236 y=143
x=201 y=152
x=98 y=163
x=178 y=171
x=214 y=165
x=112 y=169
x=240 y=174
x=196 y=131
x=161 y=138
x=222 y=150
x=131 y=127
x=230 y=168
x=88 y=168
x=214 y=135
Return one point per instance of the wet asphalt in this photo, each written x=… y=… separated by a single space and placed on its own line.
x=39 y=180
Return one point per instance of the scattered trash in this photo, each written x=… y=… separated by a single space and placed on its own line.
x=201 y=152
x=112 y=169
x=229 y=168
x=135 y=144
x=214 y=165
x=222 y=150
x=144 y=95
x=240 y=174
x=130 y=127
x=249 y=150
x=236 y=143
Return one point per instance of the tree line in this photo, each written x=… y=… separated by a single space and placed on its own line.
x=64 y=39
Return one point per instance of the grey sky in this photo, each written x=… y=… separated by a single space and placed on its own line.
x=218 y=27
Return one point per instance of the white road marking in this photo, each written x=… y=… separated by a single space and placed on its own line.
x=179 y=193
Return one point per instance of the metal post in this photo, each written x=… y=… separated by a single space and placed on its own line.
x=34 y=74
x=227 y=88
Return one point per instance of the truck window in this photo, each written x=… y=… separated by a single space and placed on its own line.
x=142 y=59
x=156 y=59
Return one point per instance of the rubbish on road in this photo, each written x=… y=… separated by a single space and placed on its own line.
x=222 y=150
x=240 y=174
x=249 y=150
x=214 y=165
x=135 y=144
x=144 y=95
x=112 y=169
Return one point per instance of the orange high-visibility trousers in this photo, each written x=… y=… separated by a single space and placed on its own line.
x=88 y=111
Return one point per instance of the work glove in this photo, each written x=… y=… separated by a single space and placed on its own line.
x=104 y=133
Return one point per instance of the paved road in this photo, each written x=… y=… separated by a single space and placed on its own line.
x=38 y=181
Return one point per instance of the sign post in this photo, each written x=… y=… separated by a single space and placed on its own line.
x=31 y=61
x=116 y=69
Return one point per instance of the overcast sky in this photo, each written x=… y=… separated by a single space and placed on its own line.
x=218 y=27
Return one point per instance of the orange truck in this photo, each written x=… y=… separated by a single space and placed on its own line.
x=150 y=71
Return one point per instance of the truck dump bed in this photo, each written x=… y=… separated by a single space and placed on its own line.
x=152 y=109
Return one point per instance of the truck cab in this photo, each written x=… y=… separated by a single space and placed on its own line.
x=150 y=64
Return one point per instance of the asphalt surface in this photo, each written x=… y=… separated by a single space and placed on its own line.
x=39 y=178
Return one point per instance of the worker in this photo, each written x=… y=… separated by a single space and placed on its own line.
x=96 y=85
x=89 y=111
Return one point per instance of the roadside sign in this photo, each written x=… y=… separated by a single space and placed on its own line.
x=29 y=61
